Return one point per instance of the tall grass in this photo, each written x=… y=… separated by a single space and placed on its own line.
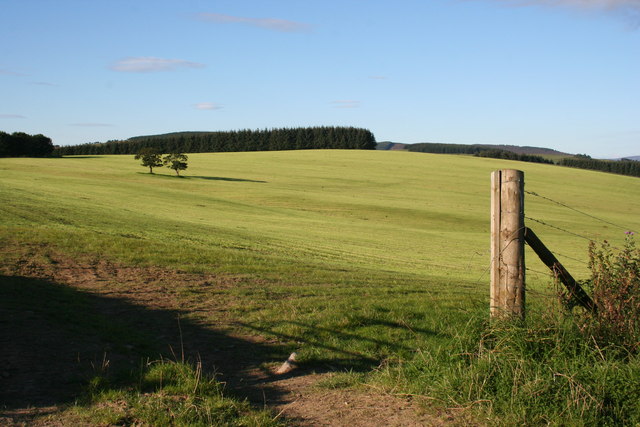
x=166 y=393
x=557 y=367
x=542 y=371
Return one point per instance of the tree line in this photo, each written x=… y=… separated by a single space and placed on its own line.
x=20 y=144
x=581 y=161
x=242 y=140
x=510 y=155
x=476 y=150
x=621 y=167
x=439 y=148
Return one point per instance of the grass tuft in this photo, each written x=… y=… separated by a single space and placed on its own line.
x=167 y=393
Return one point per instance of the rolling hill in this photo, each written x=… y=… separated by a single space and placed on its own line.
x=369 y=264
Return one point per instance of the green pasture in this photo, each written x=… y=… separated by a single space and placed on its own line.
x=353 y=258
x=313 y=212
x=337 y=220
x=352 y=228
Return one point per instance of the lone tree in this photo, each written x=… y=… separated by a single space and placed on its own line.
x=150 y=158
x=175 y=161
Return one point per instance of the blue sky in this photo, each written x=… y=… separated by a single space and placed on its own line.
x=563 y=74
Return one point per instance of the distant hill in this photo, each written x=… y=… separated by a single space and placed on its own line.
x=388 y=145
x=470 y=148
x=172 y=135
x=636 y=158
x=540 y=151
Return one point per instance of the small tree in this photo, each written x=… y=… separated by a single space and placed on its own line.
x=150 y=158
x=176 y=161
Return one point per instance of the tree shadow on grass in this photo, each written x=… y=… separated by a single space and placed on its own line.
x=346 y=358
x=349 y=360
x=77 y=157
x=54 y=339
x=208 y=178
x=221 y=178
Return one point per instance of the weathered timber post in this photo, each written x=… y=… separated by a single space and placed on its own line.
x=507 y=297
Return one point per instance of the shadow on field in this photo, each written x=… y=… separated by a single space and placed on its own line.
x=208 y=178
x=221 y=178
x=349 y=359
x=78 y=157
x=400 y=326
x=54 y=338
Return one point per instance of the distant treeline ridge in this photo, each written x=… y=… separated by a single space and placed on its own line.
x=581 y=161
x=438 y=148
x=242 y=140
x=20 y=144
x=476 y=150
x=510 y=155
x=621 y=167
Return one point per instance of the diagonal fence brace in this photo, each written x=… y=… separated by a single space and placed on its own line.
x=575 y=290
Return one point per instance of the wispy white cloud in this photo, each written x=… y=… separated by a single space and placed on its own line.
x=150 y=64
x=208 y=106
x=273 y=24
x=629 y=9
x=5 y=72
x=626 y=10
x=12 y=116
x=42 y=84
x=378 y=77
x=346 y=103
x=587 y=4
x=92 y=125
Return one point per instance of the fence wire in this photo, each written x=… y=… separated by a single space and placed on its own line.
x=535 y=273
x=549 y=274
x=539 y=221
x=588 y=215
x=533 y=193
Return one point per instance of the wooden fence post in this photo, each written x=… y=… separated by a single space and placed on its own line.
x=507 y=297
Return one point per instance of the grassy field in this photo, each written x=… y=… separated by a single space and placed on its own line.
x=356 y=259
x=304 y=217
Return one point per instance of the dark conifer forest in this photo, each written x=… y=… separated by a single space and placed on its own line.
x=20 y=144
x=581 y=161
x=621 y=167
x=242 y=140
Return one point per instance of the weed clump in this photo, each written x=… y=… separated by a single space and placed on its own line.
x=615 y=285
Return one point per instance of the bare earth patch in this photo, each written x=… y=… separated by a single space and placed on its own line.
x=307 y=405
x=47 y=357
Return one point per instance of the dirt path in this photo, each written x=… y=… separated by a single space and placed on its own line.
x=62 y=320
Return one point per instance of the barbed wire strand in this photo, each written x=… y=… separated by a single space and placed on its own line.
x=539 y=221
x=543 y=273
x=503 y=249
x=542 y=294
x=558 y=254
x=533 y=193
x=549 y=274
x=569 y=257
